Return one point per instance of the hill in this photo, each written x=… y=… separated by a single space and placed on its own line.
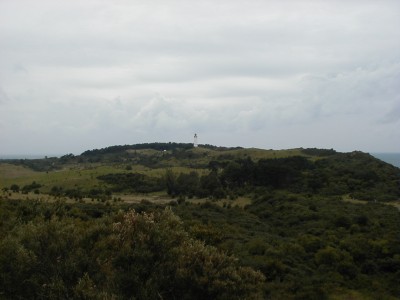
x=206 y=171
x=240 y=224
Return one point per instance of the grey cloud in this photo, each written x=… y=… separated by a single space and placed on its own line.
x=268 y=74
x=393 y=116
x=3 y=96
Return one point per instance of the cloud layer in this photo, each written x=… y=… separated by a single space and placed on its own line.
x=77 y=75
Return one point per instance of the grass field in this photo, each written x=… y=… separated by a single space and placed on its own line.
x=68 y=177
x=84 y=175
x=161 y=198
x=356 y=201
x=72 y=176
x=240 y=201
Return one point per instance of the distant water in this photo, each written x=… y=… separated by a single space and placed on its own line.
x=25 y=156
x=391 y=158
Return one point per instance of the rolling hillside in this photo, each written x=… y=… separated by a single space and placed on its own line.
x=208 y=222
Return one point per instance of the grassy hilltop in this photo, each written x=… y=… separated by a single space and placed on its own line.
x=82 y=171
x=209 y=223
x=231 y=171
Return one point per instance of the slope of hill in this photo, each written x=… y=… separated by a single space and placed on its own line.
x=206 y=171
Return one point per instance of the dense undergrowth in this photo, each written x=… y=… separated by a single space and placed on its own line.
x=59 y=251
x=288 y=247
x=307 y=247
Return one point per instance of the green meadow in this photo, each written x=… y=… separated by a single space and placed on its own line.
x=84 y=175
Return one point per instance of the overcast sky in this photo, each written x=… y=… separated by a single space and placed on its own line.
x=78 y=75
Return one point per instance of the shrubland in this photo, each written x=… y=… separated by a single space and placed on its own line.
x=59 y=251
x=293 y=238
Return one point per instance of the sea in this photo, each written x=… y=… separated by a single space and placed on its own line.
x=391 y=158
x=26 y=156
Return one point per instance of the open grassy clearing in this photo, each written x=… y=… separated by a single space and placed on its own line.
x=159 y=197
x=395 y=204
x=343 y=294
x=71 y=176
x=136 y=198
x=40 y=197
x=12 y=171
x=10 y=174
x=239 y=202
x=346 y=198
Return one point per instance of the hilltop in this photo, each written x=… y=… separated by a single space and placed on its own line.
x=206 y=171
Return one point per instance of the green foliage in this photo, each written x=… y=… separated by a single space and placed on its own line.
x=132 y=182
x=170 y=182
x=210 y=185
x=221 y=172
x=296 y=230
x=319 y=152
x=156 y=258
x=155 y=146
x=39 y=165
x=307 y=247
x=146 y=255
x=188 y=184
x=33 y=186
x=14 y=187
x=358 y=174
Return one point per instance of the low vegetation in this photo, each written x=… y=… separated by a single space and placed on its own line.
x=239 y=224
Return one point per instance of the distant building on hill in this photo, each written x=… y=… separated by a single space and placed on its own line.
x=195 y=141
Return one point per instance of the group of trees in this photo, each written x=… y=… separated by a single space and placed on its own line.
x=78 y=193
x=191 y=184
x=362 y=176
x=33 y=187
x=133 y=182
x=335 y=174
x=124 y=148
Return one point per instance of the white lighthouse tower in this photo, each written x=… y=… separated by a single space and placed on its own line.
x=195 y=141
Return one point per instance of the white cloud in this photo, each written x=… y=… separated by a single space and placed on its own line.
x=270 y=74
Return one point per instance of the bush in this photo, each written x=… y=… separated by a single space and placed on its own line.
x=137 y=256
